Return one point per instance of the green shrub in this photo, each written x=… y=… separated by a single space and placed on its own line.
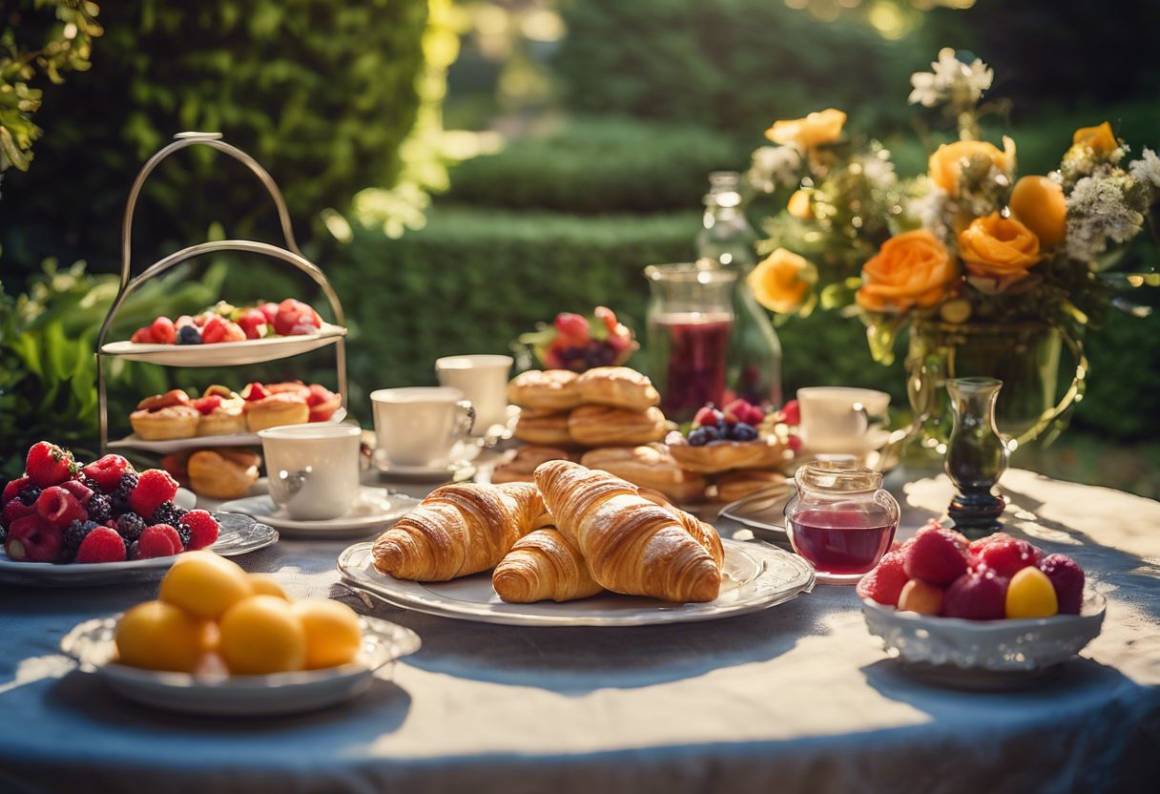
x=599 y=165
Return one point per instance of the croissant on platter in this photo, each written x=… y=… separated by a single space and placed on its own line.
x=544 y=565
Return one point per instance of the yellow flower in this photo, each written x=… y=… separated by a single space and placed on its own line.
x=999 y=251
x=782 y=281
x=1100 y=139
x=911 y=269
x=947 y=162
x=817 y=128
x=799 y=205
x=1039 y=204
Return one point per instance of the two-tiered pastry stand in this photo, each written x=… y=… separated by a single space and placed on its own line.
x=224 y=354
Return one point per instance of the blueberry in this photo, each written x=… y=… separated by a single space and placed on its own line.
x=189 y=335
x=697 y=437
x=744 y=432
x=711 y=433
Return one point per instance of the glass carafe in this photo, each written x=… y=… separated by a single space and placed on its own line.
x=840 y=520
x=726 y=241
x=690 y=322
x=976 y=456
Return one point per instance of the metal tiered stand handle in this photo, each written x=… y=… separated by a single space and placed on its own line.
x=291 y=255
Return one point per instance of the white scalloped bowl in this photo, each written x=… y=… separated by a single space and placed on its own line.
x=1021 y=645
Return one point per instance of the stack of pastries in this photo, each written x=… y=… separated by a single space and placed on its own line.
x=571 y=534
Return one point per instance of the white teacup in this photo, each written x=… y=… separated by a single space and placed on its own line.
x=838 y=419
x=418 y=426
x=483 y=381
x=312 y=469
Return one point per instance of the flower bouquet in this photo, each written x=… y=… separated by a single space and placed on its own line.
x=990 y=273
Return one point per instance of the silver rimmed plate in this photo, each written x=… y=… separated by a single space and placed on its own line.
x=226 y=354
x=240 y=534
x=757 y=576
x=91 y=644
x=167 y=446
x=763 y=511
x=375 y=509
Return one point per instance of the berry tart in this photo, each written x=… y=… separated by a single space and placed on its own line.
x=577 y=343
x=741 y=436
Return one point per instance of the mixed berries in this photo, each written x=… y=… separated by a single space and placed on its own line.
x=104 y=512
x=937 y=572
x=737 y=421
x=227 y=323
x=578 y=343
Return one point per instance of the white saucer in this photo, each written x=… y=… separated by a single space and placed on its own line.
x=375 y=508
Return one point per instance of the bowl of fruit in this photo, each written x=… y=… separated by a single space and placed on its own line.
x=220 y=641
x=738 y=436
x=578 y=343
x=998 y=606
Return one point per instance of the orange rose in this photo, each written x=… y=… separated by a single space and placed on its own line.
x=1100 y=139
x=1039 y=204
x=911 y=269
x=782 y=281
x=947 y=162
x=799 y=205
x=823 y=126
x=999 y=251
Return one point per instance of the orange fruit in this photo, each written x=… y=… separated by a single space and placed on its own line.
x=1030 y=594
x=333 y=635
x=264 y=584
x=159 y=636
x=204 y=584
x=1039 y=203
x=261 y=635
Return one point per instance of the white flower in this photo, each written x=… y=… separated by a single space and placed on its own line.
x=877 y=169
x=950 y=80
x=1096 y=214
x=1146 y=169
x=774 y=167
x=930 y=210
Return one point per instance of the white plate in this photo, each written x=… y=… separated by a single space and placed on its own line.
x=1016 y=646
x=757 y=576
x=459 y=468
x=240 y=534
x=91 y=644
x=167 y=446
x=375 y=508
x=226 y=354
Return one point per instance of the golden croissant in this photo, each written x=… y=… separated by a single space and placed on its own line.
x=459 y=530
x=543 y=565
x=632 y=545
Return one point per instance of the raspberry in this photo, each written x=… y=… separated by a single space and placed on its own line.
x=936 y=556
x=202 y=529
x=48 y=464
x=1006 y=556
x=130 y=526
x=101 y=545
x=167 y=513
x=791 y=413
x=124 y=489
x=59 y=508
x=976 y=596
x=100 y=508
x=1067 y=578
x=107 y=472
x=159 y=540
x=794 y=443
x=13 y=489
x=153 y=487
x=72 y=538
x=163 y=331
x=78 y=489
x=31 y=539
x=884 y=584
x=708 y=416
x=572 y=326
x=14 y=511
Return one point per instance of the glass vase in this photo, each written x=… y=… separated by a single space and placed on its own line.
x=976 y=456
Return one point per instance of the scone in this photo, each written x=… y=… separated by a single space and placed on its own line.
x=221 y=412
x=650 y=466
x=276 y=410
x=736 y=485
x=542 y=427
x=617 y=386
x=605 y=426
x=720 y=456
x=165 y=416
x=519 y=464
x=545 y=390
x=222 y=473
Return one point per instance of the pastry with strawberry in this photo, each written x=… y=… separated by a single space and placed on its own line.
x=165 y=416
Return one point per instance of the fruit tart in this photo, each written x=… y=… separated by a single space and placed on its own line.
x=577 y=343
x=221 y=412
x=165 y=416
x=737 y=437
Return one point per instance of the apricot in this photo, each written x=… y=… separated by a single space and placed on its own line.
x=204 y=584
x=918 y=596
x=262 y=634
x=1039 y=204
x=264 y=584
x=1031 y=595
x=333 y=635
x=159 y=636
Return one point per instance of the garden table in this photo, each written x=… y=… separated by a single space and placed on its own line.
x=799 y=697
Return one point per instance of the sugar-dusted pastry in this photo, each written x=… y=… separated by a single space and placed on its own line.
x=605 y=426
x=649 y=466
x=620 y=387
x=545 y=390
x=275 y=411
x=720 y=456
x=459 y=530
x=224 y=473
x=221 y=412
x=632 y=546
x=165 y=416
x=735 y=485
x=519 y=464
x=544 y=565
x=542 y=427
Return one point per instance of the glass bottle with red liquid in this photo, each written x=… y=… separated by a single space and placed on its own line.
x=690 y=320
x=840 y=520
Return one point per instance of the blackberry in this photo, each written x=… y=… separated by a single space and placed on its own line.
x=74 y=534
x=92 y=484
x=121 y=495
x=30 y=494
x=100 y=507
x=3 y=534
x=184 y=533
x=167 y=513
x=130 y=526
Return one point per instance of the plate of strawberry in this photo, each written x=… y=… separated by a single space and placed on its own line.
x=226 y=335
x=67 y=524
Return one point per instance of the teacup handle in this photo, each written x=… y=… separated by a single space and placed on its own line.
x=869 y=419
x=294 y=480
x=466 y=420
